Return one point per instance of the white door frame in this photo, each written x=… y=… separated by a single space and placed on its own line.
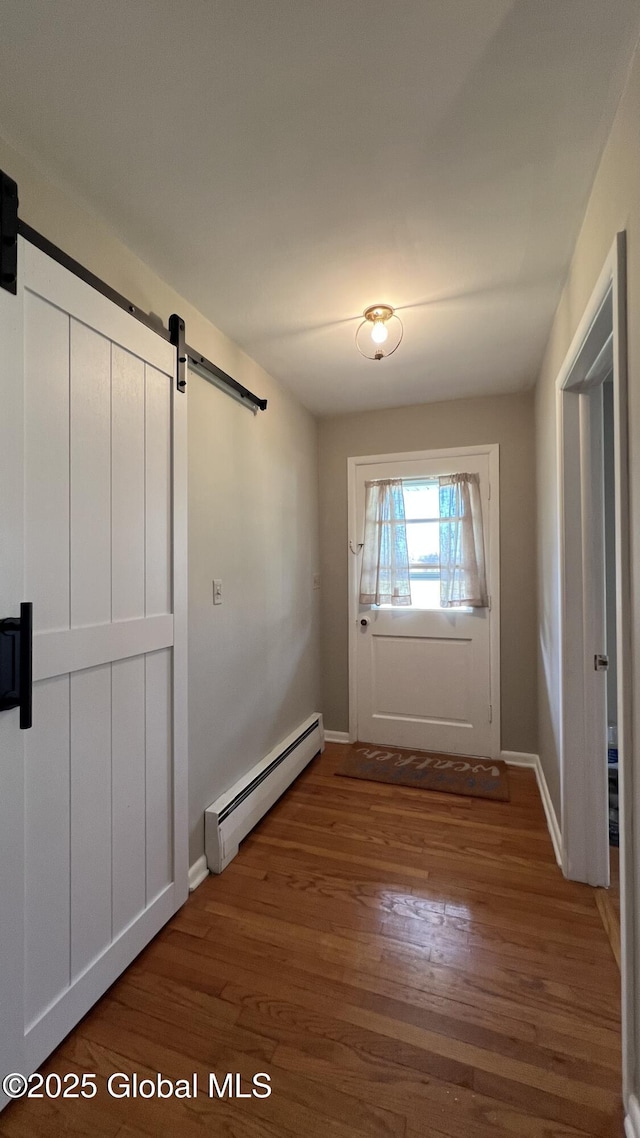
x=493 y=565
x=580 y=586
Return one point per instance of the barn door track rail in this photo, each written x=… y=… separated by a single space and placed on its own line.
x=12 y=226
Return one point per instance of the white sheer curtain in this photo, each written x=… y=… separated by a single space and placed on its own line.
x=463 y=580
x=384 y=579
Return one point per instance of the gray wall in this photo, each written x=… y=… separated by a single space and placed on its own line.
x=504 y=419
x=254 y=661
x=614 y=205
x=253 y=523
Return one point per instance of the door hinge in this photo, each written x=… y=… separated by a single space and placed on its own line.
x=600 y=662
x=8 y=233
x=490 y=713
x=177 y=337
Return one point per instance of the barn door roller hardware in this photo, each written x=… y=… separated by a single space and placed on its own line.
x=12 y=227
x=176 y=332
x=8 y=233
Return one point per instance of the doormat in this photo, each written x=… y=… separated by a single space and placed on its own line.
x=427 y=770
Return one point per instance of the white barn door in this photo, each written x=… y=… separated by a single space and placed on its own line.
x=92 y=516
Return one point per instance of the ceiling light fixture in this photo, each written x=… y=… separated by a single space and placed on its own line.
x=380 y=332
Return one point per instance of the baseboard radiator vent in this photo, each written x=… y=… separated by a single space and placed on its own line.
x=230 y=818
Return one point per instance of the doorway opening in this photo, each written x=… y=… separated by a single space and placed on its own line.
x=595 y=727
x=609 y=470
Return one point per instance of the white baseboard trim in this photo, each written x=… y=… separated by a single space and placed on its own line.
x=524 y=759
x=518 y=758
x=337 y=737
x=197 y=873
x=632 y=1121
x=552 y=818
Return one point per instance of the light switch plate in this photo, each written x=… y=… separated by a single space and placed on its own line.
x=217 y=592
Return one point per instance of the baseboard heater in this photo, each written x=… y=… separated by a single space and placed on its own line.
x=230 y=818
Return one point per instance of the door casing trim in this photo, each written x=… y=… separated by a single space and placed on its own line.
x=612 y=280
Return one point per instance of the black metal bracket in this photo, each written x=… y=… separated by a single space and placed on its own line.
x=16 y=653
x=176 y=336
x=8 y=233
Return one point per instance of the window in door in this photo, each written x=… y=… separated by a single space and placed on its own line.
x=425 y=512
x=422 y=518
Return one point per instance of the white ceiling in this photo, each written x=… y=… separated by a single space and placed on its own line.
x=285 y=163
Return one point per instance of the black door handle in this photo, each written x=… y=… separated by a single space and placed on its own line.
x=16 y=663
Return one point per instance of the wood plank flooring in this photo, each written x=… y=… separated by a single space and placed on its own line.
x=403 y=964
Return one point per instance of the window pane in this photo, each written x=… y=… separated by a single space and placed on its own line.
x=425 y=594
x=422 y=512
x=420 y=498
x=423 y=540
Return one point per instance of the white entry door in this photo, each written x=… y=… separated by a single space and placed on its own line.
x=426 y=677
x=92 y=807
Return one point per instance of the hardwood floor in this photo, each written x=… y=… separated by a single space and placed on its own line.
x=403 y=964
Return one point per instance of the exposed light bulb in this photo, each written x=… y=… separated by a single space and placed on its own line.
x=379 y=332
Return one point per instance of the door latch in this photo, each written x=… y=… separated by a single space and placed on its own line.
x=600 y=662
